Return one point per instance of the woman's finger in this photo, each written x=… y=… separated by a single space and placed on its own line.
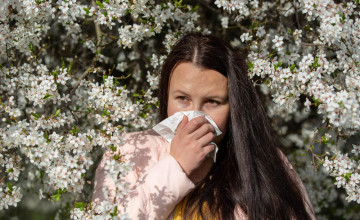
x=206 y=139
x=204 y=129
x=182 y=124
x=208 y=149
x=194 y=124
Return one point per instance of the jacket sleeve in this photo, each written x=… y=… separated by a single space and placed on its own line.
x=157 y=185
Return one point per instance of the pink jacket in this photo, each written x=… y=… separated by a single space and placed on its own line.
x=158 y=182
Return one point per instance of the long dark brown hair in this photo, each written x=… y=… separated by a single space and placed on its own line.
x=249 y=173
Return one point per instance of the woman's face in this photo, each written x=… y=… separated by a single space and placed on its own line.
x=197 y=89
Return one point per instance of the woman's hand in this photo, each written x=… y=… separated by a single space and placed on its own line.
x=190 y=147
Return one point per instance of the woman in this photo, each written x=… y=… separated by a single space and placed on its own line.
x=251 y=178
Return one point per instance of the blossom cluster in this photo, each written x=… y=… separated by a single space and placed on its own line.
x=346 y=172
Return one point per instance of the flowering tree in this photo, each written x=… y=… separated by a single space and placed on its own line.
x=75 y=75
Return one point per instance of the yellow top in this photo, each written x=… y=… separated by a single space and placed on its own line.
x=180 y=210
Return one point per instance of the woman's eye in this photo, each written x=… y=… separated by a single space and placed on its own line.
x=213 y=102
x=182 y=98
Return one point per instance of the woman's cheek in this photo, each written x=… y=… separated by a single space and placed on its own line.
x=174 y=106
x=220 y=118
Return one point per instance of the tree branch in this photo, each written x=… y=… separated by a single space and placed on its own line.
x=296 y=14
x=97 y=29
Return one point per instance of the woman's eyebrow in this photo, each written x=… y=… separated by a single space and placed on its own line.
x=180 y=91
x=217 y=97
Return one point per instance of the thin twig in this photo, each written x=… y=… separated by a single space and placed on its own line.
x=311 y=44
x=87 y=71
x=296 y=14
x=208 y=6
x=97 y=28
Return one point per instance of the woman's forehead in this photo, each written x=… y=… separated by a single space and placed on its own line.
x=191 y=78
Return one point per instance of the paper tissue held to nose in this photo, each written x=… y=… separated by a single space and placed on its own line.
x=167 y=127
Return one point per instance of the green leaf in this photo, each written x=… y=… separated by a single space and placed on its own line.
x=342 y=18
x=315 y=64
x=102 y=130
x=116 y=82
x=347 y=176
x=143 y=115
x=325 y=140
x=250 y=65
x=276 y=66
x=157 y=104
x=62 y=62
x=112 y=147
x=47 y=96
x=10 y=187
x=74 y=131
x=114 y=213
x=316 y=101
x=271 y=55
x=307 y=28
x=55 y=73
x=254 y=25
x=86 y=10
x=42 y=173
x=31 y=47
x=100 y=4
x=70 y=66
x=194 y=9
x=178 y=3
x=292 y=68
x=46 y=136
x=341 y=104
x=57 y=196
x=57 y=113
x=36 y=115
x=80 y=205
x=105 y=113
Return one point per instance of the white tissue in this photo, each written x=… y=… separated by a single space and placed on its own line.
x=167 y=127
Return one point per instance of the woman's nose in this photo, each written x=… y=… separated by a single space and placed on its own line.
x=196 y=107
